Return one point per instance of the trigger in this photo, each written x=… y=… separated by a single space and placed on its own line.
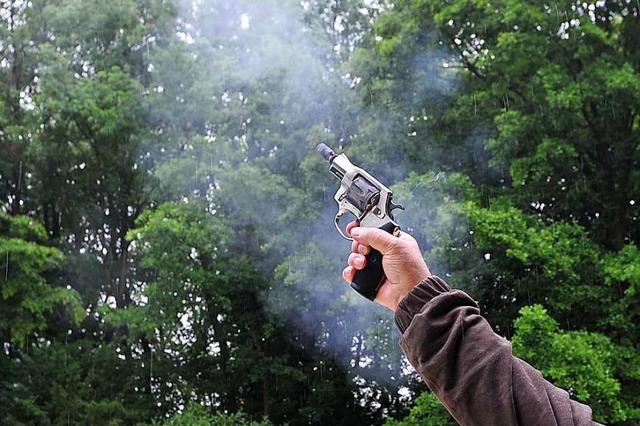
x=342 y=233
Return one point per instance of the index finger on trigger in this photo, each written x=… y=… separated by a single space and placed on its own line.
x=350 y=226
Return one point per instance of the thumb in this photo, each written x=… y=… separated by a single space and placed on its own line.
x=379 y=239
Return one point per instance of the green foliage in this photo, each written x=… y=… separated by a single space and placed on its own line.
x=622 y=273
x=427 y=411
x=585 y=364
x=66 y=381
x=29 y=293
x=197 y=415
x=203 y=310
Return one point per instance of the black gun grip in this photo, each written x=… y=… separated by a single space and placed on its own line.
x=367 y=281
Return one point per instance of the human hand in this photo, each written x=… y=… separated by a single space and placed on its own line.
x=402 y=262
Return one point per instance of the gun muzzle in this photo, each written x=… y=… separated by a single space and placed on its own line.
x=325 y=152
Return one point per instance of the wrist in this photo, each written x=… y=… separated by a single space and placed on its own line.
x=414 y=301
x=398 y=294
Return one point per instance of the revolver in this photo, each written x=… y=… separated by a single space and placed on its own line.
x=364 y=197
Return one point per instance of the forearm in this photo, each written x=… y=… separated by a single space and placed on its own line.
x=471 y=369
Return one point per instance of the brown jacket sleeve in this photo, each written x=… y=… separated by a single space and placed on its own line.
x=471 y=369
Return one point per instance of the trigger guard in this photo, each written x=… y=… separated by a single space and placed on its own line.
x=342 y=233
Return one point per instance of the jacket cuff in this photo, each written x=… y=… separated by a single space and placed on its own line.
x=415 y=300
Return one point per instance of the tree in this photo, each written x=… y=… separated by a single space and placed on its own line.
x=30 y=289
x=75 y=139
x=33 y=302
x=247 y=158
x=210 y=336
x=20 y=33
